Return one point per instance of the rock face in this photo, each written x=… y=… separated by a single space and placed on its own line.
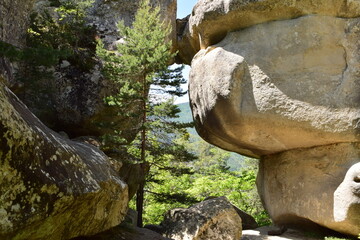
x=271 y=88
x=13 y=24
x=51 y=187
x=260 y=97
x=247 y=221
x=213 y=219
x=73 y=101
x=125 y=232
x=262 y=234
x=320 y=185
x=210 y=21
x=106 y=14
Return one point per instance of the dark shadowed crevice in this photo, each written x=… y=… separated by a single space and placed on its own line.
x=4 y=147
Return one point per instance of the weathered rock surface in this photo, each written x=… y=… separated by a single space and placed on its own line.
x=290 y=234
x=247 y=221
x=313 y=186
x=106 y=14
x=127 y=233
x=72 y=100
x=14 y=19
x=213 y=219
x=294 y=87
x=210 y=21
x=288 y=92
x=51 y=187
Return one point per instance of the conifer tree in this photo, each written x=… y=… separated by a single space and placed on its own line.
x=139 y=64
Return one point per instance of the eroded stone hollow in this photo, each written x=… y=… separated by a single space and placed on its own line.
x=286 y=89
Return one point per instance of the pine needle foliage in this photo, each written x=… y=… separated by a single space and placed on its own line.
x=139 y=68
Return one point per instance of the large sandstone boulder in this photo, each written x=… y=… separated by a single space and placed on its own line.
x=293 y=87
x=51 y=187
x=210 y=21
x=213 y=219
x=261 y=233
x=317 y=186
x=290 y=87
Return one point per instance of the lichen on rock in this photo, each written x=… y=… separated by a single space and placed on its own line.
x=51 y=186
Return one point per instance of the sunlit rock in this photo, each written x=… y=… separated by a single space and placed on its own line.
x=210 y=21
x=52 y=187
x=316 y=186
x=279 y=81
x=213 y=219
x=293 y=87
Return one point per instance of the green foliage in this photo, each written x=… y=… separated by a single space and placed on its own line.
x=336 y=238
x=64 y=30
x=39 y=56
x=139 y=67
x=141 y=61
x=52 y=37
x=209 y=177
x=235 y=162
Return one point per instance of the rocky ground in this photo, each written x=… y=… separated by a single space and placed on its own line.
x=291 y=234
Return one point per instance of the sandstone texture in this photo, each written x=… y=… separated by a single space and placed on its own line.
x=213 y=219
x=51 y=187
x=262 y=234
x=210 y=20
x=293 y=87
x=319 y=186
x=279 y=81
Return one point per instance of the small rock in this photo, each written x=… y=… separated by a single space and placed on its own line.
x=64 y=64
x=213 y=219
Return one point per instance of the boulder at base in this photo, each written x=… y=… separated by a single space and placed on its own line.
x=51 y=187
x=307 y=188
x=213 y=219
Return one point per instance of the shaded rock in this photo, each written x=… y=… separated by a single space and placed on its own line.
x=125 y=232
x=311 y=187
x=210 y=21
x=290 y=234
x=133 y=175
x=106 y=14
x=52 y=187
x=155 y=228
x=14 y=20
x=131 y=217
x=213 y=219
x=71 y=98
x=294 y=87
x=247 y=221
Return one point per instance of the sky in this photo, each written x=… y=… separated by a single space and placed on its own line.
x=184 y=8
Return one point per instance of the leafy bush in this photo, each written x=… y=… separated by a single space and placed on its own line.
x=209 y=177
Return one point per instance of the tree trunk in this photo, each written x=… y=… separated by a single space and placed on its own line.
x=140 y=192
x=140 y=204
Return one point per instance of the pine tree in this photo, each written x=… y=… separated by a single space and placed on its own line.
x=138 y=67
